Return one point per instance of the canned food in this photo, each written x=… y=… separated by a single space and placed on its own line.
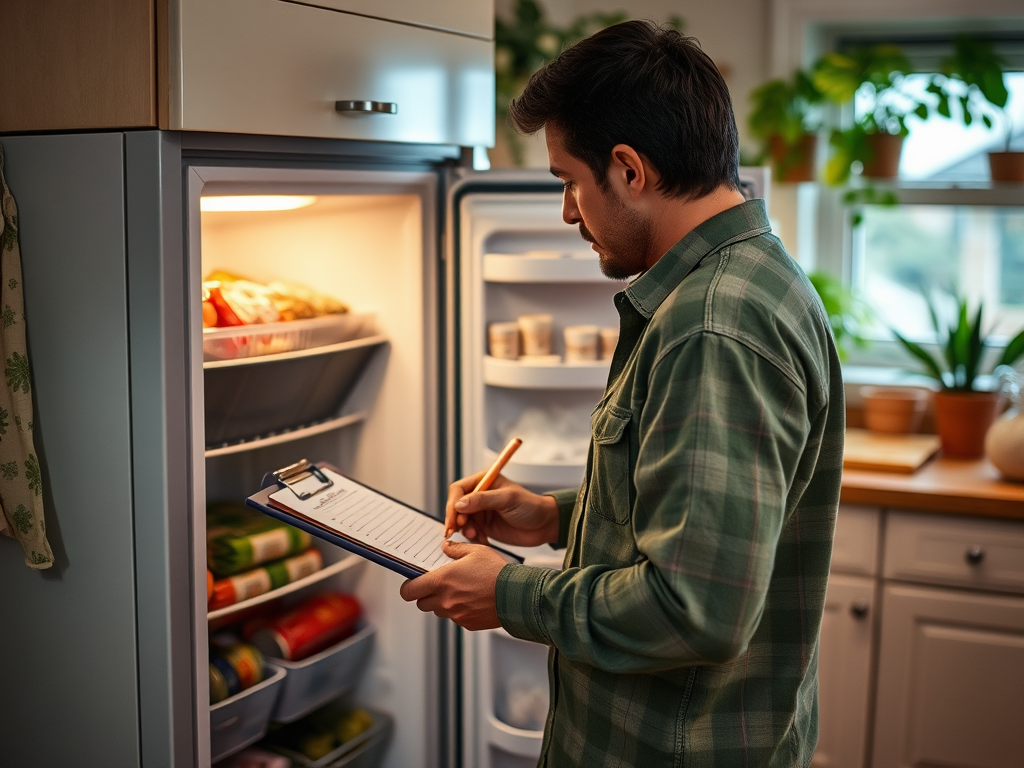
x=240 y=665
x=235 y=589
x=219 y=685
x=312 y=626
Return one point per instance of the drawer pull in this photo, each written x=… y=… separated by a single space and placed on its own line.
x=859 y=609
x=975 y=554
x=367 y=107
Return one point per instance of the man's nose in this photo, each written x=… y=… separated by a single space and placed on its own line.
x=570 y=213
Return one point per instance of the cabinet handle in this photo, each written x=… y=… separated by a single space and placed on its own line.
x=859 y=609
x=367 y=107
x=975 y=554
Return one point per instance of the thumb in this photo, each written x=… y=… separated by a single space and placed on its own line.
x=457 y=549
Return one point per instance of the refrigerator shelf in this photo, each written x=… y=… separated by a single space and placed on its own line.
x=254 y=397
x=518 y=374
x=538 y=475
x=515 y=740
x=259 y=340
x=543 y=267
x=287 y=436
x=336 y=561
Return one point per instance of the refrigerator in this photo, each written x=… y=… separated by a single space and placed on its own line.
x=111 y=645
x=141 y=423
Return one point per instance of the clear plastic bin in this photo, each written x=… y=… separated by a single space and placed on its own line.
x=364 y=751
x=314 y=681
x=273 y=338
x=243 y=718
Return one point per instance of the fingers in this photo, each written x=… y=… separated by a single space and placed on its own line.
x=456 y=491
x=485 y=501
x=418 y=588
x=457 y=549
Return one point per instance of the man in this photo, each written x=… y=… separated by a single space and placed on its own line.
x=684 y=625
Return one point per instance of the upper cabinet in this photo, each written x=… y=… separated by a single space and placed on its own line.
x=391 y=70
x=469 y=18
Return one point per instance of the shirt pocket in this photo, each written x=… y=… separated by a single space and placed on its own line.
x=611 y=494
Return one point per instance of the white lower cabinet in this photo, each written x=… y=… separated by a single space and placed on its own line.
x=844 y=672
x=950 y=679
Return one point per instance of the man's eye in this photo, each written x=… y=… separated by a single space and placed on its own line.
x=567 y=186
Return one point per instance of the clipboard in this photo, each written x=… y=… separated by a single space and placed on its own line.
x=307 y=474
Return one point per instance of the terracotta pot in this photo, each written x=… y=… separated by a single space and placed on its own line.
x=894 y=410
x=793 y=163
x=962 y=419
x=1006 y=166
x=884 y=151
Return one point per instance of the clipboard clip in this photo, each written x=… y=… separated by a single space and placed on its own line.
x=294 y=474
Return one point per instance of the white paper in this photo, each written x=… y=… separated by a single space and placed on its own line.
x=371 y=519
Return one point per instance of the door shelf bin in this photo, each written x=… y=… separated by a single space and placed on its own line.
x=516 y=741
x=258 y=396
x=239 y=721
x=364 y=751
x=520 y=374
x=539 y=475
x=274 y=338
x=314 y=681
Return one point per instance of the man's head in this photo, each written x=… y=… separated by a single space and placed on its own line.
x=632 y=94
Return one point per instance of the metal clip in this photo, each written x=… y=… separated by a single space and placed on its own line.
x=294 y=474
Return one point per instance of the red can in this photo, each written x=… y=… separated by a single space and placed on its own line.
x=310 y=627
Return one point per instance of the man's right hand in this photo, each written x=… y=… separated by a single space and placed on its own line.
x=507 y=512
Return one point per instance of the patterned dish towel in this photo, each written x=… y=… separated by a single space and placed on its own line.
x=21 y=484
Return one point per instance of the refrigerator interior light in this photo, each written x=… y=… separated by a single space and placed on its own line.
x=255 y=202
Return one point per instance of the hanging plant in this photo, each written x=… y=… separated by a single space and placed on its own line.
x=527 y=42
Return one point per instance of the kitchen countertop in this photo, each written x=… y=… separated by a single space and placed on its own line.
x=959 y=486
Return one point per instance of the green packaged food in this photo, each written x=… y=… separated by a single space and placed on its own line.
x=239 y=538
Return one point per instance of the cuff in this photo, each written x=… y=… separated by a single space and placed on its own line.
x=517 y=598
x=566 y=501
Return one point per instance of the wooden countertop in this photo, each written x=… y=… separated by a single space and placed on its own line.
x=960 y=486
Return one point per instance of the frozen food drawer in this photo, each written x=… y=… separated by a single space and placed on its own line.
x=958 y=551
x=243 y=719
x=469 y=17
x=277 y=68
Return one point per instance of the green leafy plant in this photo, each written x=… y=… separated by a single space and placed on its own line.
x=973 y=77
x=784 y=112
x=881 y=71
x=847 y=313
x=962 y=344
x=528 y=41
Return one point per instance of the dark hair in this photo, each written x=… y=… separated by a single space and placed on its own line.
x=645 y=86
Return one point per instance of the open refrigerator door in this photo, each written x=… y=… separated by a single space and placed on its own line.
x=320 y=340
x=533 y=309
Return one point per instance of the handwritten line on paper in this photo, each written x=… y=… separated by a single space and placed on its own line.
x=370 y=519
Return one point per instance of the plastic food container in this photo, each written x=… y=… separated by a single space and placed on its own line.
x=364 y=751
x=314 y=681
x=273 y=338
x=242 y=719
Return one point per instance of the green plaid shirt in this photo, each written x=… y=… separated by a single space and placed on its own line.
x=684 y=626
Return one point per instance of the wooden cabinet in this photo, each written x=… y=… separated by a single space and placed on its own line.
x=950 y=680
x=404 y=71
x=921 y=658
x=844 y=672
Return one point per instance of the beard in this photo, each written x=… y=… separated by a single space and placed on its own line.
x=625 y=242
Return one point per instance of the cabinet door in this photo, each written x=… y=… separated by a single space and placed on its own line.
x=469 y=17
x=950 y=680
x=844 y=672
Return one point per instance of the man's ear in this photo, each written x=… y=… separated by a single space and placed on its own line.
x=628 y=170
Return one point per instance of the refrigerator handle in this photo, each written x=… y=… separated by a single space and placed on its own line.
x=367 y=107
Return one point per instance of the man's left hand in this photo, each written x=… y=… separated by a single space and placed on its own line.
x=462 y=591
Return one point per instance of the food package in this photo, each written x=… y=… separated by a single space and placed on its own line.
x=239 y=538
x=313 y=625
x=258 y=581
x=320 y=733
x=234 y=667
x=239 y=301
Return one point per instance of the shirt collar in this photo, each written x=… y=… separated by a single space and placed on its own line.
x=740 y=222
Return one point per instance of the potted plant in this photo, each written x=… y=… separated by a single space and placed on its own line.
x=875 y=139
x=973 y=77
x=785 y=118
x=963 y=413
x=847 y=313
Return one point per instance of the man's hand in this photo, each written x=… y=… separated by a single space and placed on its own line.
x=508 y=512
x=462 y=591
